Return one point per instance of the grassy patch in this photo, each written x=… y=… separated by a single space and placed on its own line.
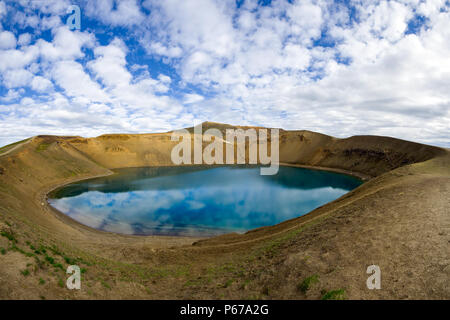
x=69 y=260
x=25 y=272
x=3 y=251
x=105 y=284
x=272 y=247
x=334 y=295
x=55 y=250
x=9 y=236
x=306 y=284
x=227 y=283
x=51 y=260
x=193 y=282
x=17 y=249
x=58 y=265
x=41 y=281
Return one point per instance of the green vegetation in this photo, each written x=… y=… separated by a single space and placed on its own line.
x=70 y=260
x=25 y=272
x=58 y=265
x=55 y=250
x=41 y=281
x=55 y=264
x=51 y=260
x=306 y=284
x=272 y=247
x=3 y=251
x=194 y=282
x=9 y=236
x=17 y=249
x=105 y=284
x=228 y=283
x=334 y=295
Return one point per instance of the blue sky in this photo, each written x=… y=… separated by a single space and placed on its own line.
x=342 y=67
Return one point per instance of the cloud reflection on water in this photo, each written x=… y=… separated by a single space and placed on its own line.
x=198 y=202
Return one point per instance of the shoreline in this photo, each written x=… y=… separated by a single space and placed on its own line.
x=359 y=175
x=42 y=201
x=43 y=197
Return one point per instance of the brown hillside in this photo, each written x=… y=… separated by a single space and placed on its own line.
x=399 y=220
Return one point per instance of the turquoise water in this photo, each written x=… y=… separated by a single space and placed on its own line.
x=198 y=201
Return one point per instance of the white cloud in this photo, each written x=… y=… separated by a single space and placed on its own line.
x=192 y=98
x=211 y=32
x=11 y=95
x=164 y=79
x=110 y=62
x=162 y=50
x=24 y=39
x=66 y=44
x=12 y=59
x=7 y=40
x=2 y=9
x=41 y=84
x=116 y=13
x=52 y=7
x=48 y=23
x=71 y=76
x=17 y=78
x=268 y=65
x=39 y=15
x=306 y=18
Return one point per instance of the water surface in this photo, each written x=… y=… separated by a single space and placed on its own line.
x=199 y=201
